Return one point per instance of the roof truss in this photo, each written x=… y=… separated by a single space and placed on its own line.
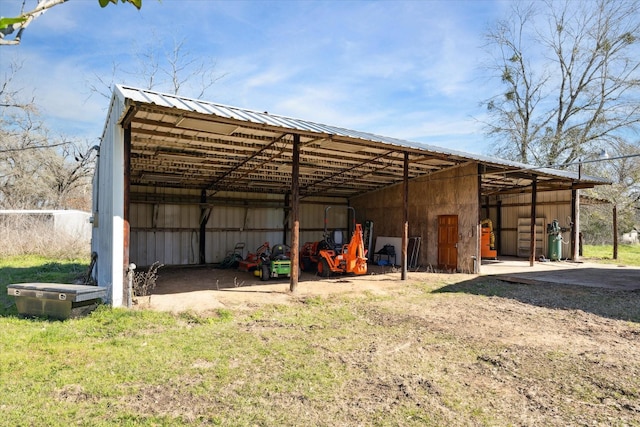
x=174 y=147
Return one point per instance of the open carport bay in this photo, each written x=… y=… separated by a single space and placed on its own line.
x=202 y=288
x=182 y=181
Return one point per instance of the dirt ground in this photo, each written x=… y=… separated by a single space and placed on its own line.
x=203 y=288
x=523 y=353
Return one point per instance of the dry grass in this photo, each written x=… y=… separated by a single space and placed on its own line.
x=20 y=236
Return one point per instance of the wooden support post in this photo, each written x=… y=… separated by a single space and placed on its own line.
x=498 y=228
x=477 y=257
x=126 y=232
x=295 y=214
x=203 y=227
x=405 y=216
x=574 y=227
x=532 y=246
x=287 y=219
x=580 y=244
x=487 y=209
x=615 y=232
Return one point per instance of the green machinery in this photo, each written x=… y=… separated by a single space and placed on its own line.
x=554 y=240
x=274 y=263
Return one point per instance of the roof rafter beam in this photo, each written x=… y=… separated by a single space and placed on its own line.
x=343 y=171
x=240 y=164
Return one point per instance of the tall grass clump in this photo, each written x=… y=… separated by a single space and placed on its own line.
x=33 y=235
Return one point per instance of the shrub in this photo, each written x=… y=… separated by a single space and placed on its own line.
x=145 y=281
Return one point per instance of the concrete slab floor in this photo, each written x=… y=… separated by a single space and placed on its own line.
x=591 y=274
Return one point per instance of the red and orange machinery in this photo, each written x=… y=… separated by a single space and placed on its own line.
x=487 y=240
x=330 y=255
x=252 y=261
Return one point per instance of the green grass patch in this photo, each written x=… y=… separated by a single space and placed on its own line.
x=468 y=353
x=34 y=268
x=627 y=254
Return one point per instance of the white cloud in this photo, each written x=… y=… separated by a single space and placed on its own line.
x=61 y=95
x=401 y=69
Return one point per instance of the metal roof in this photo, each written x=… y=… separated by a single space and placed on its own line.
x=187 y=143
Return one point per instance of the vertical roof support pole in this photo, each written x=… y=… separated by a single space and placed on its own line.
x=287 y=219
x=532 y=245
x=295 y=213
x=204 y=217
x=477 y=258
x=615 y=231
x=575 y=229
x=126 y=209
x=499 y=227
x=405 y=216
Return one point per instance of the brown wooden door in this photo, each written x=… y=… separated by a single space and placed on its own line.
x=448 y=242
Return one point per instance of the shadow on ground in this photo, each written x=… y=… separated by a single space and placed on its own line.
x=178 y=279
x=609 y=303
x=617 y=278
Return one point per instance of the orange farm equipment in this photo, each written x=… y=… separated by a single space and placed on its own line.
x=252 y=261
x=332 y=256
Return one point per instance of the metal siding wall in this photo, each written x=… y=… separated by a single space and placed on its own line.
x=175 y=241
x=107 y=237
x=262 y=225
x=149 y=240
x=140 y=215
x=312 y=218
x=560 y=210
x=508 y=238
x=220 y=242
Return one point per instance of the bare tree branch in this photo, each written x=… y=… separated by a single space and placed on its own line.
x=175 y=71
x=568 y=85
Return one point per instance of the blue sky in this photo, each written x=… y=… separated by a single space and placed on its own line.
x=405 y=69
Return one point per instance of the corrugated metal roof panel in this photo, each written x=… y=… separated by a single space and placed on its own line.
x=229 y=112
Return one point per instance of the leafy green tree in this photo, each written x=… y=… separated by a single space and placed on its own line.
x=15 y=26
